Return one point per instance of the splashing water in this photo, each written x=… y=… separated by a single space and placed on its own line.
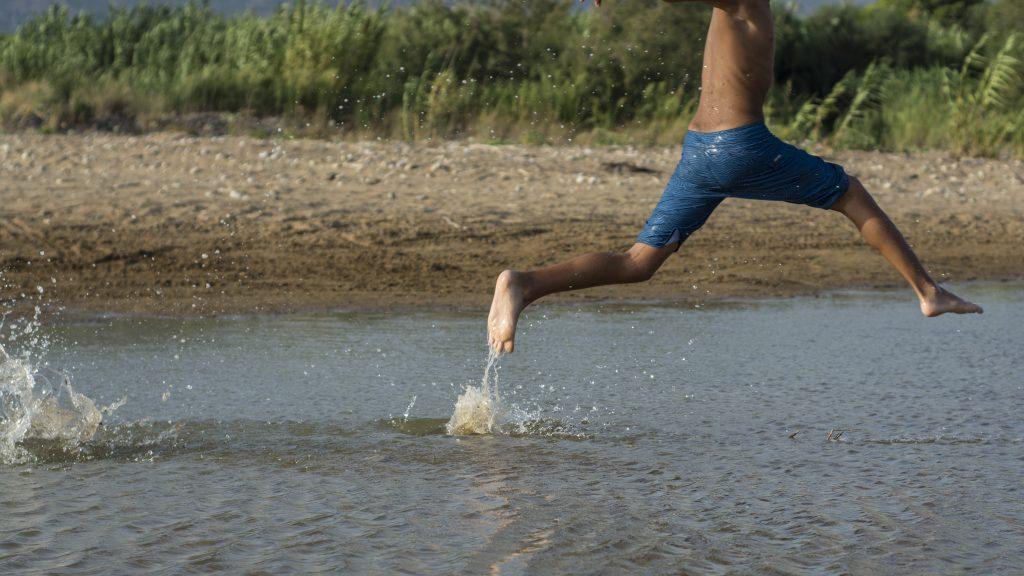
x=33 y=409
x=478 y=409
x=408 y=409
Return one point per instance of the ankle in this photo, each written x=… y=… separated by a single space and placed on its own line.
x=527 y=286
x=929 y=291
x=519 y=282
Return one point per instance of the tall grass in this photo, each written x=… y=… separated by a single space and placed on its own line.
x=514 y=70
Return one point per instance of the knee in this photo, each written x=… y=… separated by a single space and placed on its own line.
x=644 y=272
x=641 y=265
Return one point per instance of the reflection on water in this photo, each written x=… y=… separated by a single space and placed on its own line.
x=658 y=441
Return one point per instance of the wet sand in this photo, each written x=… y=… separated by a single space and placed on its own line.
x=172 y=224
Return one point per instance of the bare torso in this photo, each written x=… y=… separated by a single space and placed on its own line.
x=738 y=65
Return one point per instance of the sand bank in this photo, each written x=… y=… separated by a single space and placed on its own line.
x=166 y=223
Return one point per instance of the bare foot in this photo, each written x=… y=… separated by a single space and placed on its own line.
x=939 y=301
x=505 y=308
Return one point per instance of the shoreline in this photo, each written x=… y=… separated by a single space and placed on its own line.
x=169 y=224
x=85 y=314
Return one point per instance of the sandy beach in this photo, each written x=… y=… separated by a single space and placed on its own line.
x=173 y=224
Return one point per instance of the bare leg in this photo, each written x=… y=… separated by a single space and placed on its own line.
x=857 y=205
x=515 y=290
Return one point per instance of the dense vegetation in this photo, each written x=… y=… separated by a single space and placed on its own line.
x=898 y=74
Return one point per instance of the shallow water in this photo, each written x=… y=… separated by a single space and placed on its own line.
x=655 y=440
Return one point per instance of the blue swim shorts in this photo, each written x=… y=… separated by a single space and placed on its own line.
x=745 y=162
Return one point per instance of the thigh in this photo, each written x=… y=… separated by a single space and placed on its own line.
x=684 y=207
x=790 y=174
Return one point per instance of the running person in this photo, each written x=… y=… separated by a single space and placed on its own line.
x=728 y=153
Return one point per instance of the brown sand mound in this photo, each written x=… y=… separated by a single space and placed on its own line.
x=174 y=224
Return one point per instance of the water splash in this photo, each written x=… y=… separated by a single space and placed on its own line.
x=33 y=408
x=408 y=409
x=481 y=410
x=477 y=409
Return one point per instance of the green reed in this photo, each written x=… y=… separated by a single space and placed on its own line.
x=890 y=76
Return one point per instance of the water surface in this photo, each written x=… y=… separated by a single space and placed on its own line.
x=658 y=441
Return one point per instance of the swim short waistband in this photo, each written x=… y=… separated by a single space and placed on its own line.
x=747 y=133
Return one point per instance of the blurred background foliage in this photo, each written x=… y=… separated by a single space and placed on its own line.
x=896 y=75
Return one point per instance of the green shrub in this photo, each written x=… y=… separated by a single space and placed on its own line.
x=898 y=74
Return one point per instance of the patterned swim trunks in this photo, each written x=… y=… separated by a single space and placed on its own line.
x=745 y=162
